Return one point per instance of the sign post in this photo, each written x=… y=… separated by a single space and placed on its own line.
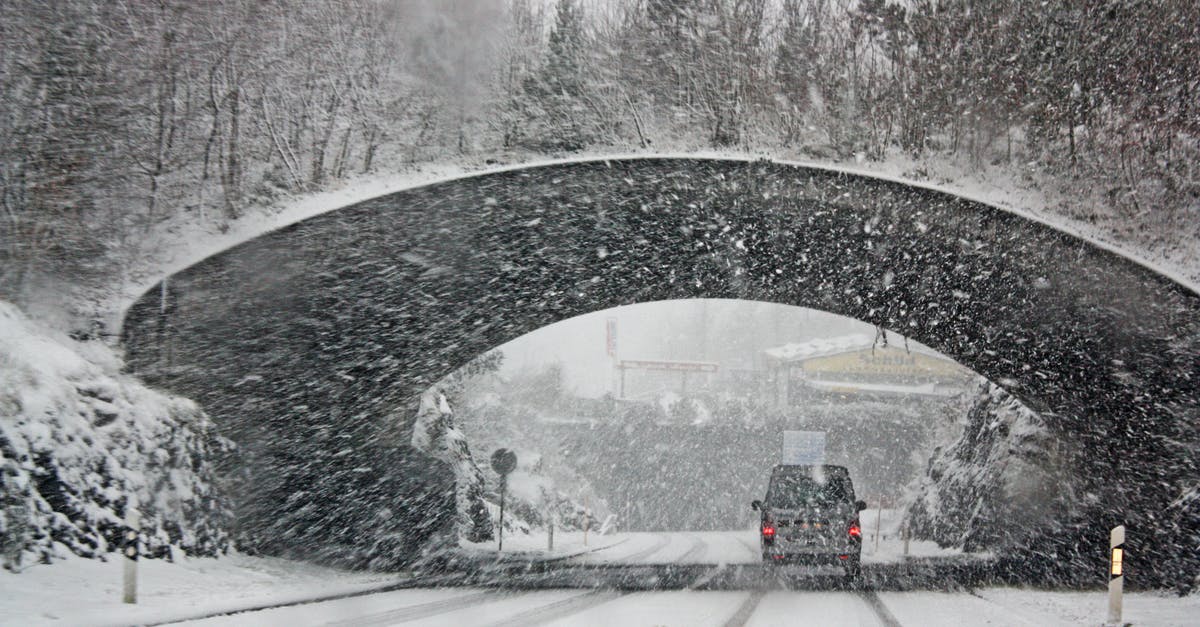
x=1116 y=573
x=504 y=462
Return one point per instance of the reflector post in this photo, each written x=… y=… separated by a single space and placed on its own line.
x=1116 y=569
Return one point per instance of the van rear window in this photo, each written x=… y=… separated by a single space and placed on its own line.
x=799 y=492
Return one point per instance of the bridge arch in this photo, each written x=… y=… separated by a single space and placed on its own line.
x=344 y=317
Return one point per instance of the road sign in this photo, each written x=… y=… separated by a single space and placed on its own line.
x=504 y=461
x=803 y=447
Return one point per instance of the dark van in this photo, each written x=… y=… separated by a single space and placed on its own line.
x=810 y=515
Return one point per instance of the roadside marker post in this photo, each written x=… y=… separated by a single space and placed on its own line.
x=132 y=531
x=878 y=522
x=1116 y=573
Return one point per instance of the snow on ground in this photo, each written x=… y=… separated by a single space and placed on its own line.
x=1016 y=606
x=81 y=592
x=884 y=543
x=1075 y=608
x=812 y=608
x=535 y=545
x=691 y=547
x=87 y=592
x=675 y=607
x=599 y=608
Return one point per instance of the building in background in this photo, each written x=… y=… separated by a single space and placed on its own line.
x=856 y=367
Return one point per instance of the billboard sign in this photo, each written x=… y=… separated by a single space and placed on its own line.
x=676 y=366
x=803 y=447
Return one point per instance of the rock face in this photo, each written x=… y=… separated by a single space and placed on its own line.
x=434 y=434
x=1001 y=475
x=80 y=444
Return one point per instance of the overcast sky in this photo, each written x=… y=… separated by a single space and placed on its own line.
x=729 y=332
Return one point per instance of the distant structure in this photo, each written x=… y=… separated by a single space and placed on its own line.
x=855 y=367
x=655 y=376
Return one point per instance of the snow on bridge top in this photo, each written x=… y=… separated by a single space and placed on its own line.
x=189 y=246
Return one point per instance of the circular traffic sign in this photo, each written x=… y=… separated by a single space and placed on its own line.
x=504 y=461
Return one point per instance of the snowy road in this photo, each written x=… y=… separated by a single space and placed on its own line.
x=678 y=548
x=630 y=581
x=478 y=606
x=708 y=578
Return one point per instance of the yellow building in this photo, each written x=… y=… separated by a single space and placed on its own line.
x=855 y=366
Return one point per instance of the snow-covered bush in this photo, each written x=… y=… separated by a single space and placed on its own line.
x=434 y=434
x=79 y=441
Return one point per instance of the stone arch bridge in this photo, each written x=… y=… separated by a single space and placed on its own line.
x=308 y=344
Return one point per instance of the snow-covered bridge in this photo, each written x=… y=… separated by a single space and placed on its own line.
x=307 y=341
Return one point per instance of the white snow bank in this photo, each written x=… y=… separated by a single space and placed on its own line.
x=1019 y=606
x=534 y=545
x=83 y=592
x=78 y=440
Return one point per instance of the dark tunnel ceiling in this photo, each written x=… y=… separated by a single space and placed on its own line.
x=354 y=312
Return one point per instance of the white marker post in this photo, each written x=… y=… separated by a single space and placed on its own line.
x=1116 y=577
x=878 y=522
x=132 y=530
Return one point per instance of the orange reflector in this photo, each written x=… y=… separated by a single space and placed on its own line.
x=1117 y=555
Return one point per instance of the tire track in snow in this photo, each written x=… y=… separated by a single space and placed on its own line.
x=422 y=610
x=698 y=548
x=755 y=550
x=884 y=615
x=560 y=609
x=659 y=542
x=746 y=609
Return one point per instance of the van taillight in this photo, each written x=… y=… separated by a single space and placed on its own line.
x=768 y=531
x=855 y=531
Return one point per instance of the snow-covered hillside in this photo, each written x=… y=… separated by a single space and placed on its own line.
x=80 y=443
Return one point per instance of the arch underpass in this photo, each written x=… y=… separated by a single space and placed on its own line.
x=309 y=344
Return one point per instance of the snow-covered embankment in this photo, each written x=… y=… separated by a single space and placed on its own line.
x=79 y=441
